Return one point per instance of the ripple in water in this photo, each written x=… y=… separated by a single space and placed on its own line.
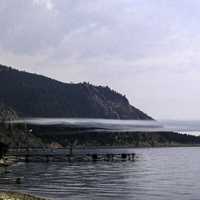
x=157 y=174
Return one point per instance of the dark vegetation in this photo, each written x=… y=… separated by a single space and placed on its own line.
x=32 y=95
x=18 y=136
x=65 y=137
x=13 y=135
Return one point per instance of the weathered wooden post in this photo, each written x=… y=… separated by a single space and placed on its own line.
x=94 y=157
x=26 y=158
x=47 y=158
x=27 y=153
x=124 y=156
x=133 y=156
x=72 y=143
x=70 y=149
x=109 y=157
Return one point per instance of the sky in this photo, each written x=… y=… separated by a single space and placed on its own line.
x=148 y=50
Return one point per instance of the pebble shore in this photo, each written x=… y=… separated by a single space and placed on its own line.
x=17 y=196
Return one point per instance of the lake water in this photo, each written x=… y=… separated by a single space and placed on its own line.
x=156 y=174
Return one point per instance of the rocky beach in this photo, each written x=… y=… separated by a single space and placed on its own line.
x=17 y=196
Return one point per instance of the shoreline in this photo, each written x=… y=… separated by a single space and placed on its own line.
x=135 y=147
x=7 y=195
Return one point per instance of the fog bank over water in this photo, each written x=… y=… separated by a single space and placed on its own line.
x=109 y=125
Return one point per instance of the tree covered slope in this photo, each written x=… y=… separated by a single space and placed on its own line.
x=32 y=95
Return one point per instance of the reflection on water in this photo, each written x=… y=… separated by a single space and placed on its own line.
x=157 y=174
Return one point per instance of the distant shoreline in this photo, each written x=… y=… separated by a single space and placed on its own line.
x=136 y=147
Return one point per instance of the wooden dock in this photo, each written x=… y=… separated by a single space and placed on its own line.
x=47 y=154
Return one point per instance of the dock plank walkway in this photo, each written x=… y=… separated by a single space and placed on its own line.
x=94 y=154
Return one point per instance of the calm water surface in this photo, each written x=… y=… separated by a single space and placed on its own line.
x=157 y=174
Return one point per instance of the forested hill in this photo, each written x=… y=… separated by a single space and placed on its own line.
x=32 y=95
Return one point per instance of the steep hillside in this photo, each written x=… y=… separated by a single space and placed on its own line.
x=32 y=95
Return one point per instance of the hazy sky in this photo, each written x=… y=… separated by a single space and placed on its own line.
x=146 y=49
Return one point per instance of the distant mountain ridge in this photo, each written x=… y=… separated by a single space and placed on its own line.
x=32 y=95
